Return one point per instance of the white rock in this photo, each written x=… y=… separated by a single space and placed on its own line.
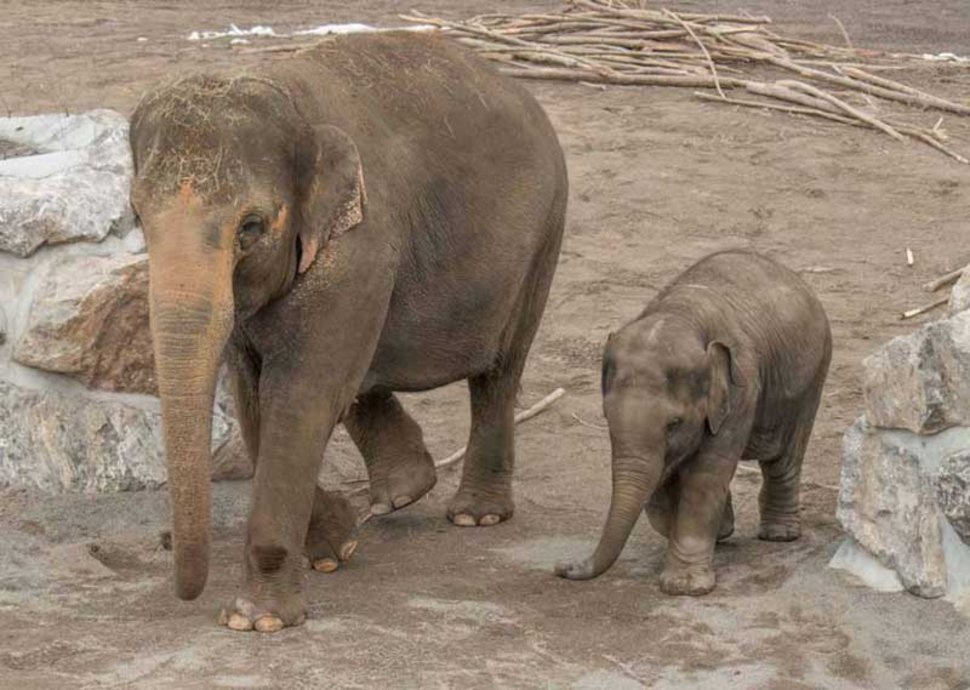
x=72 y=184
x=59 y=442
x=960 y=295
x=921 y=382
x=953 y=491
x=855 y=560
x=888 y=504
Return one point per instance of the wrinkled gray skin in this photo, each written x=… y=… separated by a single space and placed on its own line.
x=727 y=363
x=379 y=213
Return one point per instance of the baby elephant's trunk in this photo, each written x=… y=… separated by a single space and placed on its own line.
x=634 y=480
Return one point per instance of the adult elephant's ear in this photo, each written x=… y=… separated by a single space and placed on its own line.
x=724 y=374
x=334 y=196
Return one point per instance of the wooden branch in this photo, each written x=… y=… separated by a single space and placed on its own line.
x=800 y=110
x=854 y=112
x=946 y=279
x=623 y=79
x=925 y=308
x=872 y=89
x=520 y=417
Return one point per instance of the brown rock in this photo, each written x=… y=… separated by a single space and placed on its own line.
x=89 y=320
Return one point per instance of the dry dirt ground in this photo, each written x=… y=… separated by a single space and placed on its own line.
x=658 y=180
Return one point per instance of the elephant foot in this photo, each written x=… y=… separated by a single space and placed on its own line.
x=779 y=531
x=331 y=536
x=246 y=615
x=473 y=507
x=402 y=483
x=692 y=581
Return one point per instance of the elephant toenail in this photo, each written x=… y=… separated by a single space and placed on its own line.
x=489 y=520
x=269 y=624
x=380 y=509
x=401 y=501
x=347 y=550
x=463 y=520
x=325 y=565
x=239 y=622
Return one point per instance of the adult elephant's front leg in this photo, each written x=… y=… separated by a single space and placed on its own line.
x=316 y=353
x=296 y=421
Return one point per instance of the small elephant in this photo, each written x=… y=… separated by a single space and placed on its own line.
x=726 y=363
x=379 y=213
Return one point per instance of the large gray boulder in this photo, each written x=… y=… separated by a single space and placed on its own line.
x=89 y=320
x=57 y=441
x=887 y=502
x=953 y=491
x=63 y=178
x=921 y=382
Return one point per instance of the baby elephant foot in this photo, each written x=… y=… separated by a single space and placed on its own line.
x=483 y=508
x=401 y=483
x=779 y=531
x=692 y=581
x=332 y=536
x=245 y=615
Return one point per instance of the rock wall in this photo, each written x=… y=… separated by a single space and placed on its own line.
x=76 y=368
x=905 y=490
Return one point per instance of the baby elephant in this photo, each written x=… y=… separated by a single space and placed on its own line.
x=727 y=363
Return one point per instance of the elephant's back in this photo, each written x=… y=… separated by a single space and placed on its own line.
x=763 y=304
x=420 y=92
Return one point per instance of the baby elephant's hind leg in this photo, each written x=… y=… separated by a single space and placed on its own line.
x=399 y=466
x=779 y=497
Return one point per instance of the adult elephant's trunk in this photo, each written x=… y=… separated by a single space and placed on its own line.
x=634 y=480
x=191 y=318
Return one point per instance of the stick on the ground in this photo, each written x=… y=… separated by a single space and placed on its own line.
x=939 y=302
x=951 y=277
x=520 y=417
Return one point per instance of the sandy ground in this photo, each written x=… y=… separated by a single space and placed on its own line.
x=657 y=181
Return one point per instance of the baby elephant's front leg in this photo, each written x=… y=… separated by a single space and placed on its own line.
x=704 y=485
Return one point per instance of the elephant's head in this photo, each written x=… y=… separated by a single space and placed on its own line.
x=665 y=386
x=236 y=192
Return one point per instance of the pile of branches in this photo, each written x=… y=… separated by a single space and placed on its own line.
x=621 y=42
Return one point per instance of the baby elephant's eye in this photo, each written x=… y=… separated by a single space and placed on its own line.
x=250 y=231
x=674 y=424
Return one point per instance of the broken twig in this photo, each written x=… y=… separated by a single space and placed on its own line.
x=925 y=308
x=520 y=417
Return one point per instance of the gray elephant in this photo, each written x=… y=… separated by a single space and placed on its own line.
x=726 y=363
x=378 y=213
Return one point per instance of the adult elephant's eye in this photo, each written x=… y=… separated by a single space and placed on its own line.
x=250 y=231
x=674 y=424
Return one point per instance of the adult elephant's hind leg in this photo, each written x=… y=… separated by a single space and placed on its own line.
x=484 y=496
x=399 y=465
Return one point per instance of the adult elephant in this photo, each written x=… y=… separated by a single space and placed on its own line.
x=327 y=298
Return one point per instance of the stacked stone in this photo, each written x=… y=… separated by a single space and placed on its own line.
x=905 y=489
x=77 y=383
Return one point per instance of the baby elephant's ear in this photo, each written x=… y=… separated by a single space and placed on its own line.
x=334 y=196
x=723 y=374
